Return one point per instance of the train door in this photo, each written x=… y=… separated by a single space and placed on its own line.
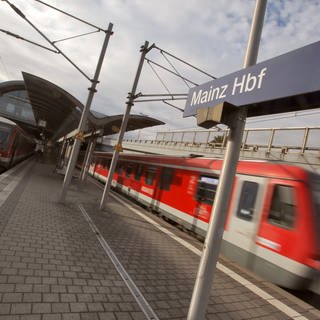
x=162 y=192
x=283 y=237
x=280 y=229
x=136 y=180
x=149 y=181
x=242 y=225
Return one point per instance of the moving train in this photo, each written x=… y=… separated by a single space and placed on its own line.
x=15 y=144
x=273 y=223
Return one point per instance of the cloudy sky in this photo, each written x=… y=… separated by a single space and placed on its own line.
x=211 y=35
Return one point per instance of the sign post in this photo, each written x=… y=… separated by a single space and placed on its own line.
x=212 y=243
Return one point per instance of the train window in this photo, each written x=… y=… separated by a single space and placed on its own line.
x=247 y=200
x=150 y=175
x=3 y=139
x=282 y=211
x=166 y=178
x=138 y=172
x=129 y=169
x=105 y=163
x=206 y=190
x=120 y=168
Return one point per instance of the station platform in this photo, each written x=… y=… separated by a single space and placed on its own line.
x=71 y=261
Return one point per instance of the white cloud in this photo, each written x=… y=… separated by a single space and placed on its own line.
x=209 y=34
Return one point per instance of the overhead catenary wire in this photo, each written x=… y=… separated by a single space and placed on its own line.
x=20 y=13
x=9 y=33
x=70 y=15
x=175 y=72
x=185 y=62
x=77 y=36
x=157 y=99
x=163 y=94
x=175 y=69
x=172 y=105
x=171 y=97
x=170 y=71
x=159 y=78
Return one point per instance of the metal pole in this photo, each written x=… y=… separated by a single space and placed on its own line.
x=118 y=147
x=62 y=154
x=83 y=168
x=244 y=142
x=270 y=140
x=212 y=243
x=305 y=140
x=87 y=158
x=208 y=137
x=194 y=137
x=84 y=116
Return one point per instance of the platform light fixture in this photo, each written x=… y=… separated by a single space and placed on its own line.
x=42 y=123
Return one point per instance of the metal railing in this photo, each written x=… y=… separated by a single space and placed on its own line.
x=299 y=139
x=297 y=145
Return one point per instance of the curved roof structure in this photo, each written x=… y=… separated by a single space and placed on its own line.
x=41 y=107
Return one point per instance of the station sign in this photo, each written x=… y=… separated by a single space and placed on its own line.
x=289 y=82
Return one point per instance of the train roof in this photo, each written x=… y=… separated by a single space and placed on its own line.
x=258 y=168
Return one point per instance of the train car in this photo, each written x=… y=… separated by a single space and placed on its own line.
x=273 y=223
x=15 y=144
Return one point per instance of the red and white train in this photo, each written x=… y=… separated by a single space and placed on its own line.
x=273 y=224
x=15 y=144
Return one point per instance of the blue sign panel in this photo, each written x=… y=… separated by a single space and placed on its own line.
x=289 y=82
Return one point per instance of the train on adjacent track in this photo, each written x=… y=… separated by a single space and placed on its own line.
x=15 y=144
x=273 y=222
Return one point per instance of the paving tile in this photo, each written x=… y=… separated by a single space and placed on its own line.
x=20 y=308
x=54 y=316
x=30 y=317
x=5 y=287
x=89 y=316
x=60 y=307
x=107 y=316
x=5 y=308
x=49 y=280
x=68 y=297
x=32 y=297
x=43 y=288
x=11 y=317
x=71 y=316
x=74 y=289
x=95 y=306
x=78 y=307
x=41 y=307
x=52 y=266
x=51 y=297
x=123 y=316
x=12 y=297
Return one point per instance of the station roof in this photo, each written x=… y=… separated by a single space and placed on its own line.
x=40 y=107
